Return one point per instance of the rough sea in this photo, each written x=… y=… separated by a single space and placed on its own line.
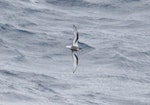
x=114 y=62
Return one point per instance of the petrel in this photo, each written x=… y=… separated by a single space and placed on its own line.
x=74 y=48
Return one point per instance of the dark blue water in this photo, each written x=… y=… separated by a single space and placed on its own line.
x=114 y=62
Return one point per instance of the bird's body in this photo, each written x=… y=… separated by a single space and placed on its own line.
x=73 y=48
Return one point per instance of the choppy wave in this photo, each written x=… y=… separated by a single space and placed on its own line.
x=81 y=3
x=114 y=60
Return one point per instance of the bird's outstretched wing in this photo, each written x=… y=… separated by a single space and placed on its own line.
x=75 y=60
x=76 y=36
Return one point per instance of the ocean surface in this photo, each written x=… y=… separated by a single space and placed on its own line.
x=114 y=62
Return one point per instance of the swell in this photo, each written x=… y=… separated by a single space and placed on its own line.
x=11 y=28
x=14 y=96
x=26 y=76
x=6 y=27
x=39 y=82
x=79 y=3
x=3 y=43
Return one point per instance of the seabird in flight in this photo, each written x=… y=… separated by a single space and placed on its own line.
x=74 y=48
